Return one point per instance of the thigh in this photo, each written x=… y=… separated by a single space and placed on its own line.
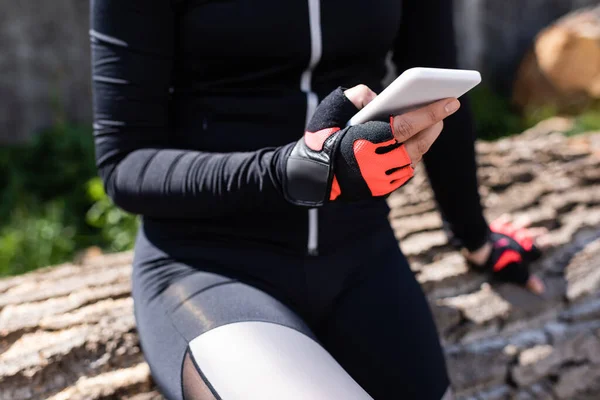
x=208 y=336
x=382 y=332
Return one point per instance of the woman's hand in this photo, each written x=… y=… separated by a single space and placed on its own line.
x=417 y=129
x=509 y=252
x=335 y=162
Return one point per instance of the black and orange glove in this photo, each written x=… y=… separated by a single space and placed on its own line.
x=512 y=252
x=335 y=162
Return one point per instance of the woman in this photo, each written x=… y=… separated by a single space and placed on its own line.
x=265 y=267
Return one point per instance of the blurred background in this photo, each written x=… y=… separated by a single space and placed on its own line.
x=538 y=118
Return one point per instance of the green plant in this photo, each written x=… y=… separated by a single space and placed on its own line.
x=35 y=239
x=494 y=117
x=586 y=122
x=118 y=228
x=56 y=164
x=48 y=208
x=493 y=114
x=533 y=116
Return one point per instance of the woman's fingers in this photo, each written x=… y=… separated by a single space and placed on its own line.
x=360 y=95
x=530 y=233
x=522 y=222
x=499 y=223
x=417 y=129
x=540 y=237
x=419 y=144
x=536 y=285
x=407 y=125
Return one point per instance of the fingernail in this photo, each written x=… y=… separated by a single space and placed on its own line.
x=452 y=106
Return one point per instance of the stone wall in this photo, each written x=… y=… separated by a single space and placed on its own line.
x=44 y=65
x=69 y=333
x=44 y=62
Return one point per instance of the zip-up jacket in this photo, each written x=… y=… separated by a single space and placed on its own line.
x=195 y=101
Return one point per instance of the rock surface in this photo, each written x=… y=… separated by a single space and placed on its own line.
x=563 y=68
x=68 y=332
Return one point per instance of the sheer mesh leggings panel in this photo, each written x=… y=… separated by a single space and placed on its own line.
x=194 y=385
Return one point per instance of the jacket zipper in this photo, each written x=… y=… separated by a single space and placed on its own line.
x=312 y=100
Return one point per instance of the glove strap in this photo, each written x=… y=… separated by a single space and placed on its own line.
x=309 y=166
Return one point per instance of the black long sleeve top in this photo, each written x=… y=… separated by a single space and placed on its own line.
x=194 y=100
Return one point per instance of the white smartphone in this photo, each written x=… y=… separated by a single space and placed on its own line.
x=415 y=88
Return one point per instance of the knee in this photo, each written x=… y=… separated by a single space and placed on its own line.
x=255 y=360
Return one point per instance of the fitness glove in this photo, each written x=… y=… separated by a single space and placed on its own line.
x=335 y=162
x=511 y=255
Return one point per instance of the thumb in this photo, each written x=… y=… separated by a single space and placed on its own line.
x=360 y=95
x=334 y=111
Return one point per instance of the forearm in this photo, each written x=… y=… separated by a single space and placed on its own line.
x=426 y=39
x=190 y=184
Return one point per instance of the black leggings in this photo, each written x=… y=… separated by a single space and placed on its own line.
x=362 y=304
